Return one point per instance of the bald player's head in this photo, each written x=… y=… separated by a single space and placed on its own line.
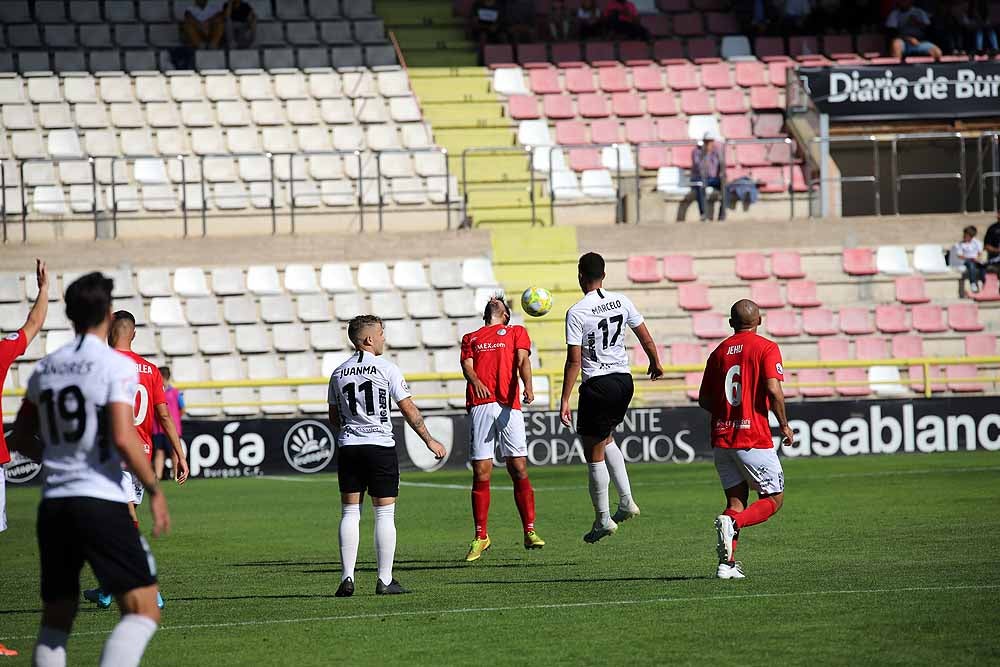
x=744 y=315
x=122 y=330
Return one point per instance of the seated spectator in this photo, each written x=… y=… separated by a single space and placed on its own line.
x=489 y=23
x=204 y=25
x=706 y=169
x=991 y=242
x=560 y=22
x=983 y=28
x=908 y=27
x=966 y=253
x=241 y=24
x=621 y=18
x=588 y=20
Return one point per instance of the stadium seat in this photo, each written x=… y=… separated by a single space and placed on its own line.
x=929 y=258
x=751 y=266
x=892 y=260
x=891 y=319
x=767 y=294
x=643 y=269
x=437 y=333
x=856 y=321
x=782 y=323
x=818 y=322
x=678 y=268
x=911 y=290
x=886 y=381
x=347 y=305
x=313 y=308
x=990 y=290
x=263 y=279
x=190 y=282
x=814 y=376
x=327 y=336
x=928 y=318
x=838 y=349
x=802 y=294
x=166 y=311
x=964 y=317
x=374 y=277
x=641 y=359
x=859 y=262
x=389 y=305
x=647 y=78
x=693 y=296
x=709 y=325
x=478 y=272
x=787 y=264
x=409 y=276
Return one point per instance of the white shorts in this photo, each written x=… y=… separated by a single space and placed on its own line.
x=3 y=499
x=133 y=488
x=760 y=468
x=497 y=431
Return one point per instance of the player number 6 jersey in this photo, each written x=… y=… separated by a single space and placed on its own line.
x=360 y=389
x=597 y=323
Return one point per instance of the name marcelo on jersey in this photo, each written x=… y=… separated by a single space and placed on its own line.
x=605 y=307
x=358 y=370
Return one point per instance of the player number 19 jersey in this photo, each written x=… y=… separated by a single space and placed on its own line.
x=597 y=323
x=71 y=389
x=360 y=389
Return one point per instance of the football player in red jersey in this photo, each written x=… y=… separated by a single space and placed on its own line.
x=742 y=381
x=493 y=358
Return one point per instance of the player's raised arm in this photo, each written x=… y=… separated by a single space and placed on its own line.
x=776 y=398
x=38 y=312
x=416 y=421
x=570 y=372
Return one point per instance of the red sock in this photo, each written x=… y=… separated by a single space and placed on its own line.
x=759 y=512
x=524 y=496
x=480 y=506
x=733 y=514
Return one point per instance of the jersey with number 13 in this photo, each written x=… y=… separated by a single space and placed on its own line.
x=71 y=389
x=360 y=389
x=148 y=394
x=598 y=324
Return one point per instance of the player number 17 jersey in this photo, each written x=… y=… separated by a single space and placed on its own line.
x=598 y=323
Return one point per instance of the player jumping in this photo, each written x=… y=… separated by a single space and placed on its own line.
x=595 y=345
x=492 y=359
x=360 y=390
x=149 y=394
x=742 y=380
x=79 y=401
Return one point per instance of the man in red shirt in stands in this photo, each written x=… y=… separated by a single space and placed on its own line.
x=742 y=380
x=13 y=346
x=492 y=359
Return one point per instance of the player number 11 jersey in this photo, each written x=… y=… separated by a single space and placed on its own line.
x=360 y=389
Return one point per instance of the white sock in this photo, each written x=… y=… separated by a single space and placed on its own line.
x=50 y=648
x=385 y=541
x=350 y=537
x=615 y=461
x=127 y=642
x=599 y=480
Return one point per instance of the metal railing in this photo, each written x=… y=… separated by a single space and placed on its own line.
x=898 y=178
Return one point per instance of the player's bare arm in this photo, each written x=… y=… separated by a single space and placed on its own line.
x=478 y=388
x=38 y=312
x=416 y=421
x=177 y=458
x=23 y=438
x=570 y=372
x=655 y=371
x=524 y=371
x=126 y=440
x=777 y=401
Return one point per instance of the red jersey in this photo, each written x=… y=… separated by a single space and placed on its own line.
x=149 y=393
x=11 y=347
x=736 y=385
x=493 y=351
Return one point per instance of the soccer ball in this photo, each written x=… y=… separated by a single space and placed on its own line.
x=536 y=301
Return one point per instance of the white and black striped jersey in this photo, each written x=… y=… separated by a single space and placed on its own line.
x=597 y=323
x=71 y=389
x=360 y=389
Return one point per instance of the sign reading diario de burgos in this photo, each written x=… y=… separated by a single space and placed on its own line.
x=939 y=90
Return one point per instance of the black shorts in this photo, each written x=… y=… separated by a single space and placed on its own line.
x=370 y=468
x=72 y=531
x=162 y=442
x=603 y=403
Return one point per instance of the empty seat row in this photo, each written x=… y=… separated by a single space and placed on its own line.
x=680 y=268
x=894 y=261
x=151 y=11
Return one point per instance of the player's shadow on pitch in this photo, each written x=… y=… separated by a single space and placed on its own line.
x=306 y=563
x=578 y=580
x=430 y=568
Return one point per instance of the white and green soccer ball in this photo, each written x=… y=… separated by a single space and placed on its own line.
x=536 y=301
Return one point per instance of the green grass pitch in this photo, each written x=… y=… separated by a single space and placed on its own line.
x=876 y=560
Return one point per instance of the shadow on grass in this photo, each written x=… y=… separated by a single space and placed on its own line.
x=440 y=566
x=579 y=580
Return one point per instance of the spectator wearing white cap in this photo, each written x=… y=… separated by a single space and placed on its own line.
x=706 y=169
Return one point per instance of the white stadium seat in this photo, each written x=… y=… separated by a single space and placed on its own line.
x=202 y=311
x=252 y=339
x=374 y=277
x=165 y=311
x=409 y=275
x=301 y=279
x=263 y=280
x=154 y=282
x=328 y=336
x=228 y=281
x=478 y=272
x=929 y=258
x=334 y=278
x=402 y=334
x=214 y=340
x=423 y=305
x=438 y=333
x=190 y=281
x=459 y=303
x=388 y=305
x=290 y=338
x=892 y=260
x=446 y=274
x=239 y=310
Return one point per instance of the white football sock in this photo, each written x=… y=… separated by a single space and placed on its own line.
x=599 y=479
x=350 y=537
x=50 y=648
x=127 y=642
x=615 y=461
x=385 y=541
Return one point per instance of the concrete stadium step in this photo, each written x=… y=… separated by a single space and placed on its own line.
x=466 y=115
x=410 y=13
x=424 y=36
x=506 y=198
x=543 y=246
x=447 y=72
x=560 y=277
x=455 y=90
x=482 y=168
x=474 y=137
x=440 y=58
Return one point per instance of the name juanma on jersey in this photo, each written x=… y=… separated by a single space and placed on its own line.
x=597 y=323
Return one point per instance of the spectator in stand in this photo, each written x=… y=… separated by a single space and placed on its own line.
x=560 y=22
x=967 y=252
x=204 y=25
x=992 y=244
x=489 y=23
x=983 y=27
x=241 y=24
x=706 y=171
x=588 y=20
x=521 y=19
x=908 y=27
x=796 y=17
x=175 y=406
x=621 y=18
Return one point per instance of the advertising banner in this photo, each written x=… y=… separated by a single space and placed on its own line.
x=885 y=92
x=255 y=447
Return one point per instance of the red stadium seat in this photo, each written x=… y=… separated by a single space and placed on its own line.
x=764 y=97
x=859 y=262
x=606 y=131
x=782 y=323
x=768 y=125
x=815 y=376
x=777 y=72
x=750 y=73
x=558 y=107
x=818 y=322
x=579 y=79
x=767 y=294
x=682 y=157
x=711 y=5
x=990 y=290
x=751 y=266
x=673 y=6
x=662 y=104
x=703 y=49
x=730 y=101
x=613 y=79
x=498 y=55
x=626 y=105
x=803 y=45
x=687 y=354
x=640 y=359
x=980 y=345
x=910 y=290
x=671 y=129
x=871 y=44
x=533 y=55
x=802 y=293
x=709 y=325
x=658 y=25
x=640 y=130
x=693 y=296
x=678 y=268
x=719 y=23
x=682 y=77
x=693 y=380
x=735 y=127
x=871 y=348
x=598 y=52
x=928 y=318
x=582 y=159
x=856 y=321
x=799 y=178
x=780 y=154
x=647 y=78
x=593 y=106
x=544 y=81
x=689 y=25
x=964 y=317
x=960 y=378
x=838 y=45
x=696 y=102
x=834 y=349
x=912 y=347
x=891 y=319
x=838 y=349
x=787 y=264
x=654 y=157
x=716 y=75
x=643 y=269
x=633 y=52
x=770 y=179
x=523 y=107
x=567 y=54
x=752 y=155
x=668 y=51
x=766 y=47
x=569 y=132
